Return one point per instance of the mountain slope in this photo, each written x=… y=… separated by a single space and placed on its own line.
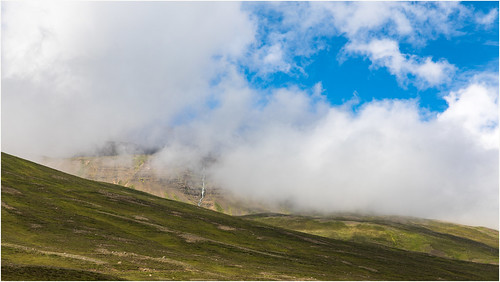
x=58 y=225
x=145 y=173
x=478 y=244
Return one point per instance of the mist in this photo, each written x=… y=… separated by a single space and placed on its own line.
x=76 y=76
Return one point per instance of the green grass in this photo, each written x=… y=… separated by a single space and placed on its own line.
x=139 y=160
x=455 y=241
x=56 y=226
x=218 y=207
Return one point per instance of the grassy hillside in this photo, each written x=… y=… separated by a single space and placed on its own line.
x=478 y=244
x=60 y=227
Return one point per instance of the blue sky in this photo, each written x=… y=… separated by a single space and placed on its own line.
x=471 y=48
x=381 y=107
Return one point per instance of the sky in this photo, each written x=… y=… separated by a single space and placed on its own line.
x=379 y=107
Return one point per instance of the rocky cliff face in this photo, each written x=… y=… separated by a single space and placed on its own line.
x=138 y=172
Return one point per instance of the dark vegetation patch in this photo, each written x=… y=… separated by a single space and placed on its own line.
x=37 y=273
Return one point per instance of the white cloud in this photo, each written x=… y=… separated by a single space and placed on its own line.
x=386 y=53
x=272 y=59
x=431 y=73
x=386 y=159
x=415 y=23
x=356 y=18
x=487 y=19
x=475 y=108
x=102 y=71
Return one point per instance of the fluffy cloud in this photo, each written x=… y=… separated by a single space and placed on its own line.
x=80 y=74
x=388 y=158
x=411 y=22
x=487 y=19
x=475 y=108
x=385 y=160
x=386 y=53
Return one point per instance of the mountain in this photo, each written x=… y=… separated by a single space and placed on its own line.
x=477 y=244
x=143 y=173
x=56 y=226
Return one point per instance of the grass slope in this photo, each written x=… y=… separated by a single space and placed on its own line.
x=478 y=244
x=58 y=226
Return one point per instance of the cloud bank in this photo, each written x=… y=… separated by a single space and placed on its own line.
x=77 y=75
